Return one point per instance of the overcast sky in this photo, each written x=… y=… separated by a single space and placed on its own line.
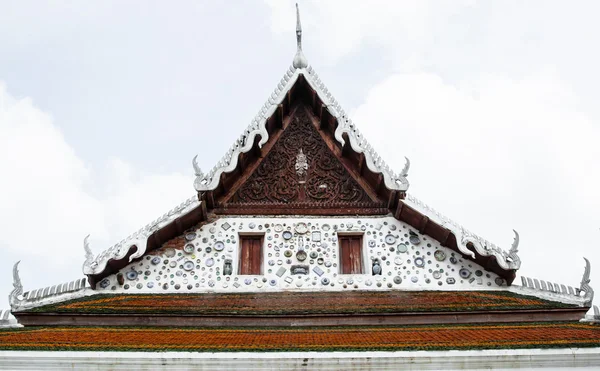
x=103 y=105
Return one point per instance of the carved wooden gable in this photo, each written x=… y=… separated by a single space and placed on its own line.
x=301 y=171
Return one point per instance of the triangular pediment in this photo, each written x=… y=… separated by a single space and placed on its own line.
x=303 y=170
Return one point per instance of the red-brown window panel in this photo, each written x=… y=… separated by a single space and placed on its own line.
x=351 y=261
x=250 y=254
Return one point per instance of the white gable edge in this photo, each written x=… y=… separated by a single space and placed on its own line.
x=210 y=181
x=506 y=260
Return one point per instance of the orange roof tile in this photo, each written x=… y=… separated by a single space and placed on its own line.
x=480 y=336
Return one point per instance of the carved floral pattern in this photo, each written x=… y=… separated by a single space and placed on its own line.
x=321 y=177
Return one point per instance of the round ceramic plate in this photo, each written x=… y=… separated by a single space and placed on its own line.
x=188 y=265
x=372 y=243
x=190 y=236
x=326 y=227
x=389 y=239
x=287 y=235
x=210 y=262
x=436 y=274
x=189 y=248
x=415 y=240
x=301 y=228
x=131 y=275
x=464 y=273
x=419 y=262
x=278 y=228
x=402 y=248
x=155 y=260
x=439 y=255
x=398 y=261
x=219 y=245
x=301 y=255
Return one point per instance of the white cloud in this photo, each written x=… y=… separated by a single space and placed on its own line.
x=50 y=199
x=495 y=154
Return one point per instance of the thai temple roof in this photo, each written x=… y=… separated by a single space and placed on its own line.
x=427 y=282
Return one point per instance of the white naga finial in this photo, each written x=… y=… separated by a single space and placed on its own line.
x=300 y=60
x=89 y=256
x=404 y=172
x=515 y=245
x=197 y=171
x=13 y=298
x=585 y=283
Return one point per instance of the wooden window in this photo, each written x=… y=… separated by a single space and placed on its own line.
x=250 y=254
x=351 y=261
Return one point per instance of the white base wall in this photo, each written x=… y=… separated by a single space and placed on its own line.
x=526 y=359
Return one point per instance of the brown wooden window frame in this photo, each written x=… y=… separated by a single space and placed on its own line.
x=341 y=252
x=243 y=261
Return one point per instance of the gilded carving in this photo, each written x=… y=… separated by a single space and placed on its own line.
x=300 y=168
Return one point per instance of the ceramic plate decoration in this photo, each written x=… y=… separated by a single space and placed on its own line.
x=439 y=255
x=131 y=275
x=398 y=261
x=170 y=252
x=155 y=260
x=190 y=236
x=464 y=273
x=300 y=255
x=419 y=262
x=326 y=227
x=372 y=243
x=414 y=239
x=278 y=228
x=301 y=228
x=287 y=235
x=313 y=254
x=389 y=239
x=402 y=248
x=219 y=246
x=189 y=248
x=316 y=236
x=210 y=262
x=436 y=274
x=105 y=283
x=188 y=265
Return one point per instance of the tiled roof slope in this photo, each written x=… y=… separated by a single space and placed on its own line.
x=355 y=338
x=293 y=303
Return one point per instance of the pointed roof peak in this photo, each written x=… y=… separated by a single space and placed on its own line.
x=300 y=60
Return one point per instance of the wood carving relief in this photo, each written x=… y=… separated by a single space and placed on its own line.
x=300 y=168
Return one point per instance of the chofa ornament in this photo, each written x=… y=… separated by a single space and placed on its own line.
x=585 y=283
x=13 y=297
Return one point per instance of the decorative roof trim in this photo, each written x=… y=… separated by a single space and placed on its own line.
x=506 y=260
x=138 y=239
x=52 y=294
x=210 y=181
x=13 y=297
x=558 y=292
x=7 y=320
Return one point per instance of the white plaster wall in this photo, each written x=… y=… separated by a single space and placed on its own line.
x=527 y=359
x=409 y=260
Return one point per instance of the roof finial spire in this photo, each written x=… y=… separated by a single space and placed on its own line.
x=299 y=59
